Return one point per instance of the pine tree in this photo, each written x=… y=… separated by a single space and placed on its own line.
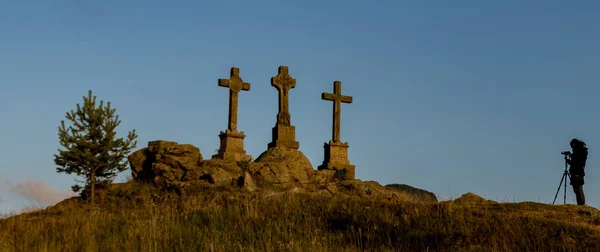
x=92 y=149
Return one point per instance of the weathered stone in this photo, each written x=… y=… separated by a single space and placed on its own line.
x=232 y=141
x=283 y=166
x=336 y=152
x=141 y=165
x=324 y=176
x=165 y=163
x=359 y=189
x=284 y=136
x=416 y=193
x=232 y=146
x=220 y=172
x=336 y=158
x=472 y=199
x=283 y=133
x=160 y=146
x=247 y=182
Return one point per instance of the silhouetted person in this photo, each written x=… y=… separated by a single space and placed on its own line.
x=577 y=168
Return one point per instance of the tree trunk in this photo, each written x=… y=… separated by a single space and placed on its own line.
x=93 y=185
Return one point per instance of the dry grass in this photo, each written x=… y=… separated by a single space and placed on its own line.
x=139 y=218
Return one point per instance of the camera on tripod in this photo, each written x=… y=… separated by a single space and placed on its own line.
x=566 y=175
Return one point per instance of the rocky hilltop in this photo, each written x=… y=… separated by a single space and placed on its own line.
x=179 y=201
x=181 y=168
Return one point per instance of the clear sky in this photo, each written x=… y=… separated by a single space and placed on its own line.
x=449 y=96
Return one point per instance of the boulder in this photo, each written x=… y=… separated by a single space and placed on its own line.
x=219 y=172
x=368 y=189
x=471 y=199
x=325 y=176
x=246 y=182
x=140 y=163
x=416 y=193
x=282 y=166
x=165 y=163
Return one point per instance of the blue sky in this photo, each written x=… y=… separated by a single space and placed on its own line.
x=451 y=97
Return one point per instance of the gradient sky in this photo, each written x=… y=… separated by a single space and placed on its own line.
x=449 y=96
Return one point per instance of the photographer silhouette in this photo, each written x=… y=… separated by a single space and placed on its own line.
x=576 y=162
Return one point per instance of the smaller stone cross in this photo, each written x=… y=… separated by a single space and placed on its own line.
x=235 y=85
x=283 y=82
x=232 y=141
x=337 y=98
x=336 y=152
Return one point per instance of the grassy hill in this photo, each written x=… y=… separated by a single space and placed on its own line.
x=138 y=217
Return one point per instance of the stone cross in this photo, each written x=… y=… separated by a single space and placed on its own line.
x=235 y=85
x=232 y=141
x=283 y=82
x=337 y=99
x=284 y=134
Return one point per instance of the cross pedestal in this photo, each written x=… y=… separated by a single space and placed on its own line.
x=232 y=146
x=232 y=141
x=336 y=158
x=284 y=134
x=336 y=152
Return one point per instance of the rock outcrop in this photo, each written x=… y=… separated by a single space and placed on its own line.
x=416 y=193
x=283 y=166
x=166 y=163
x=471 y=199
x=246 y=182
x=180 y=167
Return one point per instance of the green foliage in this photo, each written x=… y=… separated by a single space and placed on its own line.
x=91 y=147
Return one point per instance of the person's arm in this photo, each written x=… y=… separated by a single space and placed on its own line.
x=576 y=159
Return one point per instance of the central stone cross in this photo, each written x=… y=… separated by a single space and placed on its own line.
x=232 y=141
x=283 y=82
x=284 y=134
x=337 y=99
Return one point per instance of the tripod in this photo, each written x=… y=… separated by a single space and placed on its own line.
x=564 y=178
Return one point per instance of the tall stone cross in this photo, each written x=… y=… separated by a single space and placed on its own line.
x=337 y=99
x=284 y=134
x=232 y=141
x=235 y=85
x=283 y=82
x=336 y=152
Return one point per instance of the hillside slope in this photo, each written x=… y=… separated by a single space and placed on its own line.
x=139 y=217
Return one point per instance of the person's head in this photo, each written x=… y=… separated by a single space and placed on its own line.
x=577 y=144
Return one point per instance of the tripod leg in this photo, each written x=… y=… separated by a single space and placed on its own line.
x=567 y=176
x=557 y=191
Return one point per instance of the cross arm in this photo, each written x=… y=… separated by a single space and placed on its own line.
x=246 y=86
x=224 y=82
x=346 y=99
x=328 y=96
x=333 y=97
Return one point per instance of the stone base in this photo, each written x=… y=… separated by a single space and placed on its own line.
x=283 y=166
x=232 y=146
x=336 y=158
x=284 y=136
